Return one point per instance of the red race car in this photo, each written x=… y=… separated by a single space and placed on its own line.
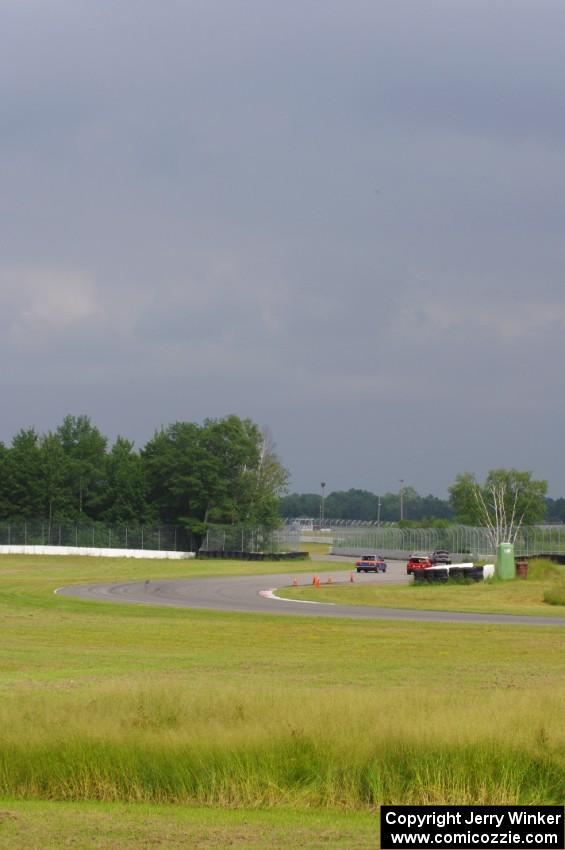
x=418 y=562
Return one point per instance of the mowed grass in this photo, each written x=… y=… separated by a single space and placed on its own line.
x=541 y=594
x=53 y=826
x=316 y=548
x=555 y=594
x=132 y=704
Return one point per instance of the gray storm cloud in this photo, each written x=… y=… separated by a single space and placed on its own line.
x=343 y=221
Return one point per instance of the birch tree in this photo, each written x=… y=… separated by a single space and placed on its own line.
x=508 y=499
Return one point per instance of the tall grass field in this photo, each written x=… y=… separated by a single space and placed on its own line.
x=263 y=747
x=133 y=704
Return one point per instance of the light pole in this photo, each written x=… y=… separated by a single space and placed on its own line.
x=401 y=499
x=379 y=513
x=323 y=486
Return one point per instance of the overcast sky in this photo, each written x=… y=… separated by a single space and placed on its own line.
x=345 y=220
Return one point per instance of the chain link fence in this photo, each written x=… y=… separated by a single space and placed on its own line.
x=167 y=538
x=460 y=539
x=239 y=538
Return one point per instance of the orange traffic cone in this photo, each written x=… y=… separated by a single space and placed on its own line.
x=330 y=580
x=352 y=576
x=295 y=582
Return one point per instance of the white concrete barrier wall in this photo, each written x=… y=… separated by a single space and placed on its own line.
x=94 y=552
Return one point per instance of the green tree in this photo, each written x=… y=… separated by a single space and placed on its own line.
x=172 y=462
x=555 y=509
x=54 y=471
x=356 y=504
x=124 y=497
x=5 y=502
x=85 y=448
x=301 y=505
x=231 y=455
x=508 y=499
x=351 y=504
x=463 y=497
x=264 y=483
x=217 y=472
x=24 y=475
x=434 y=509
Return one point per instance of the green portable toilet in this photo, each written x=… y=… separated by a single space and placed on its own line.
x=505 y=564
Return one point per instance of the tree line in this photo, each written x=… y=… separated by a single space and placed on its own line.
x=221 y=471
x=355 y=504
x=524 y=496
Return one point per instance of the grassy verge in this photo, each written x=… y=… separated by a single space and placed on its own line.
x=555 y=594
x=526 y=597
x=128 y=704
x=316 y=548
x=52 y=826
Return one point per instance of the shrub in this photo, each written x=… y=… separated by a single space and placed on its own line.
x=555 y=595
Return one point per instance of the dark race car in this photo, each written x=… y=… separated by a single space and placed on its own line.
x=440 y=556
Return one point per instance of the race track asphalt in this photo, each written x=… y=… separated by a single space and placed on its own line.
x=250 y=594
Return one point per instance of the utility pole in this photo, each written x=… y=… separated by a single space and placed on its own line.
x=323 y=486
x=401 y=499
x=379 y=512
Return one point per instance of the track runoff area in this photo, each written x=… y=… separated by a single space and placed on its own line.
x=258 y=594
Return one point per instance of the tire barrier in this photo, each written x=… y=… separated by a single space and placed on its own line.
x=466 y=574
x=437 y=575
x=556 y=557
